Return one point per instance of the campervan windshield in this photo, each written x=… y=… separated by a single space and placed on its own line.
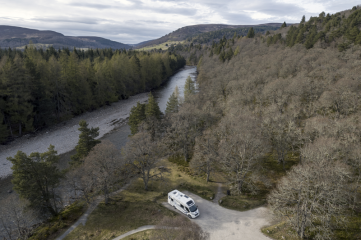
x=193 y=208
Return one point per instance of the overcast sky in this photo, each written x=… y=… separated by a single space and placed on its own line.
x=133 y=21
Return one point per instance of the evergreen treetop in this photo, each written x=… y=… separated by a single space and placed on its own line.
x=189 y=88
x=172 y=104
x=251 y=33
x=86 y=142
x=152 y=108
x=35 y=178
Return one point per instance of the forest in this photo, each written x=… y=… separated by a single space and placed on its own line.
x=281 y=118
x=209 y=37
x=39 y=87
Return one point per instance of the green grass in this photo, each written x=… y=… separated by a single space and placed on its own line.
x=144 y=235
x=242 y=203
x=279 y=231
x=162 y=46
x=58 y=225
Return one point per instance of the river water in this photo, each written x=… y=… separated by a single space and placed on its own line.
x=111 y=121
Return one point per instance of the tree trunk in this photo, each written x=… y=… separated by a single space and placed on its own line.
x=20 y=129
x=106 y=195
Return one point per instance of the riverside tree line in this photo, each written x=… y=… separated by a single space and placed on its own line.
x=39 y=88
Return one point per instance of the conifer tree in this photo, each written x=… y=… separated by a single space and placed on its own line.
x=251 y=33
x=189 y=88
x=303 y=19
x=172 y=104
x=152 y=108
x=16 y=80
x=176 y=91
x=35 y=178
x=136 y=116
x=3 y=128
x=284 y=25
x=152 y=114
x=236 y=51
x=86 y=142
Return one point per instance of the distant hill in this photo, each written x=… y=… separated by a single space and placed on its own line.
x=18 y=37
x=190 y=32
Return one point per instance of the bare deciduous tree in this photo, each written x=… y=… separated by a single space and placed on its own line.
x=313 y=196
x=142 y=154
x=107 y=168
x=205 y=154
x=15 y=220
x=241 y=148
x=103 y=169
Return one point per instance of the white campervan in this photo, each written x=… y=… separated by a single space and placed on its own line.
x=183 y=203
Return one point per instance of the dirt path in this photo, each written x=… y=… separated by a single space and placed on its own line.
x=140 y=229
x=222 y=223
x=219 y=194
x=83 y=219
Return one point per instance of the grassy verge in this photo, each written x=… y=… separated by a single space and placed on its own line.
x=144 y=235
x=282 y=231
x=279 y=231
x=58 y=225
x=242 y=203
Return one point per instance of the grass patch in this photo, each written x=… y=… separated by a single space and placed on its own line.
x=119 y=217
x=58 y=225
x=163 y=46
x=144 y=235
x=242 y=203
x=352 y=231
x=280 y=231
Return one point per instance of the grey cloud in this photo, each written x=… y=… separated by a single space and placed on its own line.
x=68 y=20
x=91 y=5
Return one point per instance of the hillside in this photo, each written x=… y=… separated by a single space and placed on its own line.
x=286 y=123
x=190 y=32
x=17 y=37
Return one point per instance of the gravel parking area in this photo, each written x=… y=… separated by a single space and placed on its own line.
x=222 y=223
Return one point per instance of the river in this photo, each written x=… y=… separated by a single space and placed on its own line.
x=111 y=121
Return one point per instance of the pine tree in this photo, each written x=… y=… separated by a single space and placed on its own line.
x=176 y=92
x=303 y=19
x=236 y=51
x=86 y=142
x=16 y=80
x=284 y=25
x=35 y=178
x=136 y=116
x=189 y=88
x=3 y=129
x=152 y=108
x=172 y=104
x=251 y=33
x=353 y=33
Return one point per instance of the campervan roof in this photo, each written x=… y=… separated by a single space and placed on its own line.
x=182 y=198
